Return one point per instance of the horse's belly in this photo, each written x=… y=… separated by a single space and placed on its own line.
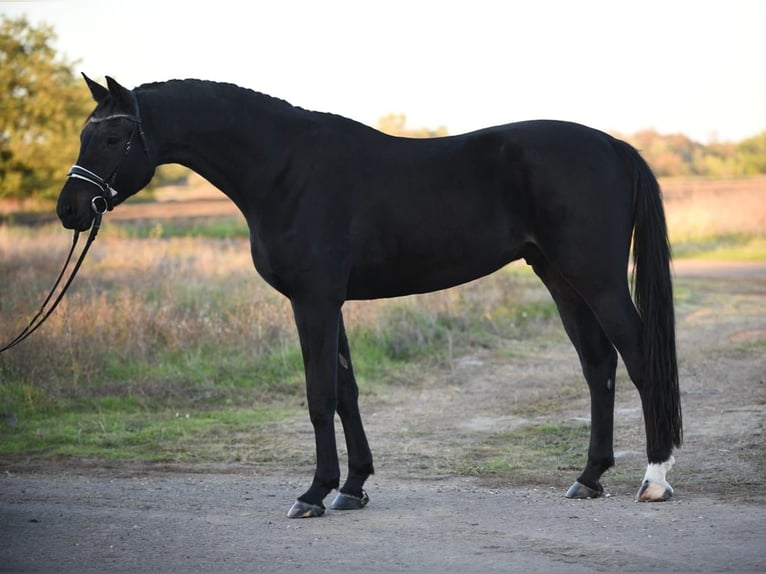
x=412 y=273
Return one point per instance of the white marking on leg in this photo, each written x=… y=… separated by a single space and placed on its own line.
x=654 y=485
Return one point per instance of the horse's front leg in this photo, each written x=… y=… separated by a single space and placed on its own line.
x=318 y=331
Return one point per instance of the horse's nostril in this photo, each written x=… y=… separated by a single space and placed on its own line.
x=64 y=211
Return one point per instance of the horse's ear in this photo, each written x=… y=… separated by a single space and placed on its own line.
x=98 y=91
x=119 y=93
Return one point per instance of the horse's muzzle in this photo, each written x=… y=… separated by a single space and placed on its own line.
x=79 y=218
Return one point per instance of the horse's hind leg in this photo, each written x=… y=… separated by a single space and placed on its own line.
x=621 y=321
x=352 y=496
x=599 y=363
x=608 y=297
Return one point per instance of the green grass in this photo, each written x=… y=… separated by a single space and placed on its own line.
x=541 y=454
x=121 y=432
x=519 y=455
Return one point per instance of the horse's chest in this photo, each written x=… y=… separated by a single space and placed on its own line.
x=295 y=264
x=269 y=265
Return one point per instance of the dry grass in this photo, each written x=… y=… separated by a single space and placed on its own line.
x=702 y=209
x=168 y=320
x=134 y=302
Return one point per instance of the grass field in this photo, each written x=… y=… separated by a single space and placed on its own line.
x=169 y=345
x=716 y=218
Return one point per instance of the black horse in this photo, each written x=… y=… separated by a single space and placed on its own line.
x=339 y=211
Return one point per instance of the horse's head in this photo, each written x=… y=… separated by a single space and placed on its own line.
x=115 y=159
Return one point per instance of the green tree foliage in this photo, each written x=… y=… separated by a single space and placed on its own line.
x=677 y=155
x=42 y=107
x=752 y=154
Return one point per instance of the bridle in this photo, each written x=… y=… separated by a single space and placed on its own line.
x=105 y=201
x=100 y=204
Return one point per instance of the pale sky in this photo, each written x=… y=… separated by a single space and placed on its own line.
x=691 y=66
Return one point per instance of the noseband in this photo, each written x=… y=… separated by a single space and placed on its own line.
x=105 y=201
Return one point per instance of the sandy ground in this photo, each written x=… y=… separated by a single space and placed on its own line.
x=422 y=518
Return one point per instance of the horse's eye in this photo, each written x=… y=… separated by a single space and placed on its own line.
x=112 y=139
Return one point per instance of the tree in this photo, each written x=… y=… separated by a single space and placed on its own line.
x=752 y=154
x=42 y=107
x=677 y=155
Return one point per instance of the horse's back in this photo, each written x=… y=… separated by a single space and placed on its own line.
x=433 y=213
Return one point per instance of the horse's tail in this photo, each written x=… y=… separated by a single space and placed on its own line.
x=653 y=293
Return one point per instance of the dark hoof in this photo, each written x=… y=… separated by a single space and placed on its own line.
x=348 y=502
x=305 y=510
x=579 y=490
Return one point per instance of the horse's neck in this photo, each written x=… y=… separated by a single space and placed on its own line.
x=234 y=151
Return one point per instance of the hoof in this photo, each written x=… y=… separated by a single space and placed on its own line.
x=653 y=492
x=579 y=490
x=348 y=502
x=305 y=510
x=655 y=488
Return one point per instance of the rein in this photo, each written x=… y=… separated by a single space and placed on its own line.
x=43 y=314
x=100 y=205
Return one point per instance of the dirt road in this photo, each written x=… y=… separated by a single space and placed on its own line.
x=424 y=518
x=176 y=522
